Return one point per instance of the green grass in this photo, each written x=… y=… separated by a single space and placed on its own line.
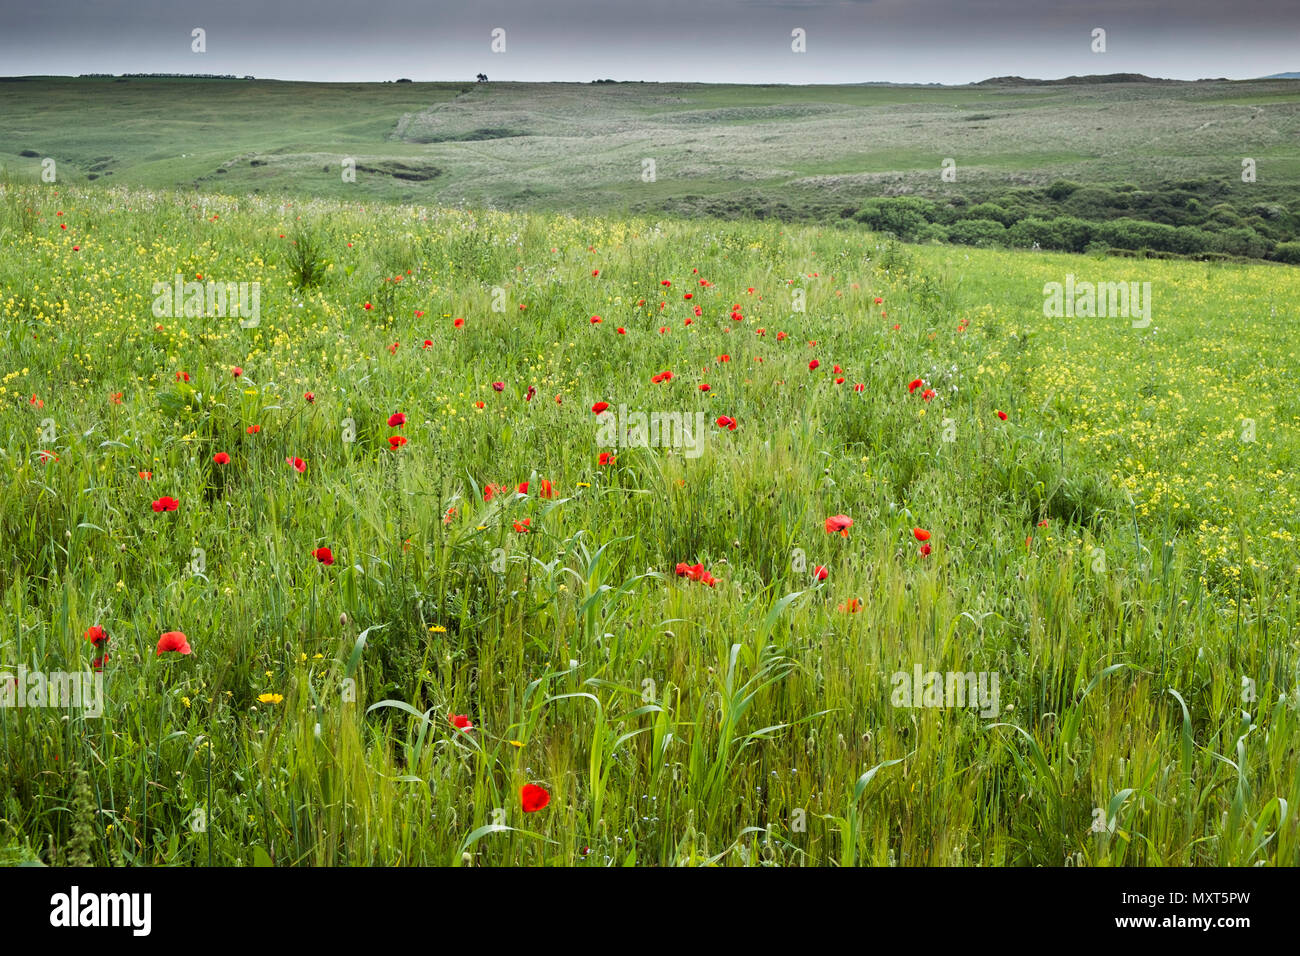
x=1114 y=550
x=580 y=146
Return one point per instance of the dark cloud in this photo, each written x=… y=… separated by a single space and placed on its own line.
x=744 y=41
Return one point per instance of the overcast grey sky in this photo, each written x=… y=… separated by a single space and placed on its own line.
x=743 y=41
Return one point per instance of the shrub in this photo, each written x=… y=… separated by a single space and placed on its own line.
x=989 y=210
x=1061 y=189
x=977 y=232
x=1287 y=252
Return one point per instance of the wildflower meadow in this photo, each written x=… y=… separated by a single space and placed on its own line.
x=379 y=534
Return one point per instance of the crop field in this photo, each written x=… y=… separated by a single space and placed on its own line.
x=513 y=537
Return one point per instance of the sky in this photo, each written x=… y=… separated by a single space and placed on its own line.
x=710 y=41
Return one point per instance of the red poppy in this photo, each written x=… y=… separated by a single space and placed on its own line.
x=928 y=394
x=727 y=422
x=547 y=491
x=145 y=475
x=820 y=572
x=851 y=606
x=489 y=491
x=236 y=371
x=299 y=465
x=859 y=387
x=925 y=550
x=396 y=420
x=595 y=320
x=460 y=721
x=606 y=458
x=533 y=797
x=324 y=555
x=458 y=323
x=622 y=331
x=185 y=376
x=879 y=300
x=221 y=458
x=1002 y=415
x=522 y=526
x=920 y=534
x=840 y=523
x=396 y=441
x=428 y=344
x=814 y=365
x=696 y=572
x=96 y=635
x=914 y=384
x=704 y=387
x=724 y=358
x=498 y=386
x=310 y=397
x=166 y=503
x=599 y=407
x=173 y=641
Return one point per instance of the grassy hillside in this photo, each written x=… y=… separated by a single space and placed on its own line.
x=681 y=649
x=795 y=153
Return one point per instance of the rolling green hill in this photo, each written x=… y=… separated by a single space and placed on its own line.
x=790 y=152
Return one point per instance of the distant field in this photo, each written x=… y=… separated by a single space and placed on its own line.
x=793 y=152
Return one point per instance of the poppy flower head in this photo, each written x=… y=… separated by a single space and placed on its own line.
x=925 y=550
x=498 y=386
x=299 y=465
x=1002 y=415
x=547 y=491
x=221 y=458
x=840 y=523
x=533 y=798
x=920 y=534
x=96 y=635
x=914 y=384
x=820 y=572
x=599 y=407
x=396 y=420
x=521 y=527
x=460 y=721
x=396 y=441
x=324 y=555
x=173 y=641
x=254 y=429
x=165 y=503
x=605 y=458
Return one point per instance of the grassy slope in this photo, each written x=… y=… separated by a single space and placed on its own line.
x=746 y=711
x=812 y=150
